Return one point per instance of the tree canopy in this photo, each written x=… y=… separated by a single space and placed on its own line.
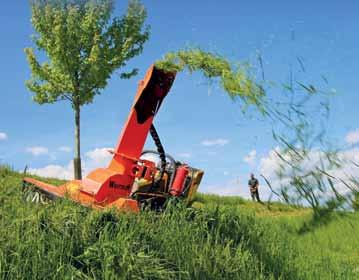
x=84 y=46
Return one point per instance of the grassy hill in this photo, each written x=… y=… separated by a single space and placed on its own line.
x=217 y=238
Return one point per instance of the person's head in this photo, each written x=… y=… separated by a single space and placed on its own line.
x=252 y=176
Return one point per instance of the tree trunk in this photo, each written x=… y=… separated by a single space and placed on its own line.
x=77 y=159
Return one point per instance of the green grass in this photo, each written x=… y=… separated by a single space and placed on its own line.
x=218 y=238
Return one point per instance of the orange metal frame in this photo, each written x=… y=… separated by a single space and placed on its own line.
x=111 y=186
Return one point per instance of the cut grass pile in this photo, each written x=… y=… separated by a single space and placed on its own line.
x=220 y=238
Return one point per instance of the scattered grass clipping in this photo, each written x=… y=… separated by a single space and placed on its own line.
x=235 y=80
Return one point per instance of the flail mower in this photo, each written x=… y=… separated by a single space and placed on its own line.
x=134 y=178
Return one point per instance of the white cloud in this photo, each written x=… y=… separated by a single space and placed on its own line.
x=184 y=155
x=152 y=157
x=231 y=188
x=270 y=164
x=54 y=171
x=236 y=187
x=352 y=137
x=251 y=157
x=215 y=142
x=37 y=150
x=65 y=149
x=3 y=136
x=99 y=157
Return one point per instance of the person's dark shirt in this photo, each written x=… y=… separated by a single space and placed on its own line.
x=253 y=182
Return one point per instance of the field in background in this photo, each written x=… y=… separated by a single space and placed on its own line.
x=218 y=238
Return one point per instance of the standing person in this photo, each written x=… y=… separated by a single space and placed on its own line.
x=253 y=185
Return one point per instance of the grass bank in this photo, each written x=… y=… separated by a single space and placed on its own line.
x=218 y=238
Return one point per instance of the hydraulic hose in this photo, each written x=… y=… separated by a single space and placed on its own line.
x=160 y=150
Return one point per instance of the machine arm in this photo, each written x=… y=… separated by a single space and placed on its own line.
x=125 y=165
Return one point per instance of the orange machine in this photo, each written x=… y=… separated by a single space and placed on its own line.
x=134 y=177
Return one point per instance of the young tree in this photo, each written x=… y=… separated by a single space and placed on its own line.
x=84 y=45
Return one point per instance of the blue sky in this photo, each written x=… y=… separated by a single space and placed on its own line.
x=197 y=123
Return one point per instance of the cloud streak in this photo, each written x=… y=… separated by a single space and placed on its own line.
x=184 y=155
x=215 y=142
x=37 y=150
x=3 y=136
x=65 y=149
x=251 y=157
x=352 y=137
